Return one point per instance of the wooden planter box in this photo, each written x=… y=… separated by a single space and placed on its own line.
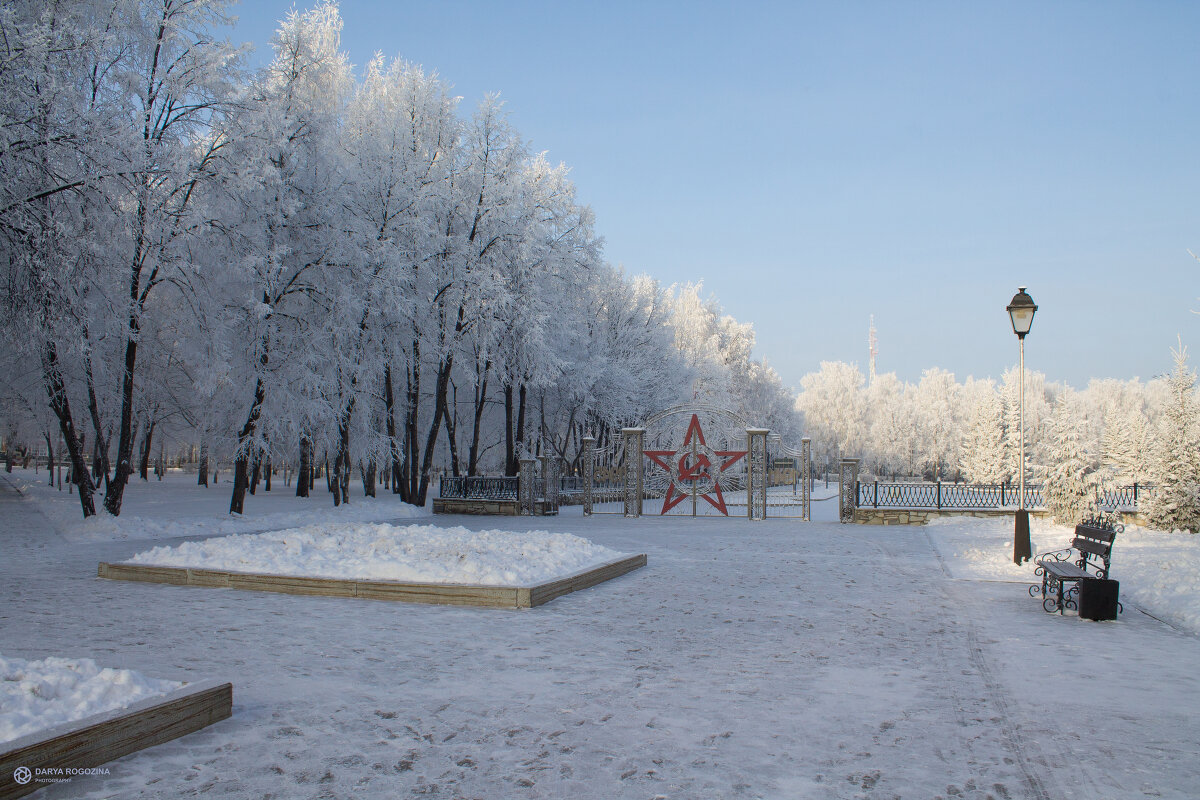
x=435 y=593
x=72 y=749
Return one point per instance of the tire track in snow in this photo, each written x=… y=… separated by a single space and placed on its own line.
x=1011 y=736
x=996 y=697
x=996 y=693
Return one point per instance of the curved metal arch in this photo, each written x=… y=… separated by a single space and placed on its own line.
x=787 y=451
x=695 y=408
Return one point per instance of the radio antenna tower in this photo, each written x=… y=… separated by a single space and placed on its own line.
x=873 y=350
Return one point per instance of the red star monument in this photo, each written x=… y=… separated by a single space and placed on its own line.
x=694 y=463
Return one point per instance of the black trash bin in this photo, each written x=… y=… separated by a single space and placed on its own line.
x=1098 y=598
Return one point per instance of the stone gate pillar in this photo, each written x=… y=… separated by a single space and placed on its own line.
x=756 y=473
x=847 y=489
x=550 y=482
x=525 y=489
x=633 y=470
x=806 y=479
x=588 y=452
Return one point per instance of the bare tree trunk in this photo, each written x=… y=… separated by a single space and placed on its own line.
x=514 y=431
x=61 y=406
x=341 y=462
x=510 y=450
x=389 y=400
x=440 y=389
x=451 y=417
x=521 y=405
x=144 y=466
x=50 y=456
x=335 y=483
x=115 y=490
x=100 y=464
x=480 y=401
x=97 y=458
x=410 y=476
x=368 y=478
x=202 y=469
x=255 y=471
x=304 y=475
x=241 y=462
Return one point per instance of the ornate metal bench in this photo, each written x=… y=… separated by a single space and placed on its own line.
x=1087 y=557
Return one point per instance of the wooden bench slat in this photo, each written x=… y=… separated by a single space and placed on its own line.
x=1095 y=533
x=1089 y=546
x=1065 y=569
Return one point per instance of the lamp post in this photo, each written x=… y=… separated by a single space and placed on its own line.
x=1021 y=311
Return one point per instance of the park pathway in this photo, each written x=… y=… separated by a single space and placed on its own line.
x=770 y=660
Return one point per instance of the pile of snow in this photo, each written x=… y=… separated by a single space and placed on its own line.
x=35 y=695
x=1159 y=572
x=411 y=554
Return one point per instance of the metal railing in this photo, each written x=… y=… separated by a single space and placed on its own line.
x=572 y=488
x=479 y=487
x=969 y=496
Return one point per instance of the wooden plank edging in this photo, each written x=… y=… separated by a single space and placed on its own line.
x=435 y=593
x=544 y=593
x=96 y=740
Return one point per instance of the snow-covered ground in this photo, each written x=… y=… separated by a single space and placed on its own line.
x=410 y=553
x=1159 y=572
x=779 y=659
x=35 y=695
x=176 y=507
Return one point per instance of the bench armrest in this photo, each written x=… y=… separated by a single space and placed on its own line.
x=1057 y=555
x=1054 y=555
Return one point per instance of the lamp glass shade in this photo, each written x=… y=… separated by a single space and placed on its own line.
x=1021 y=311
x=1022 y=319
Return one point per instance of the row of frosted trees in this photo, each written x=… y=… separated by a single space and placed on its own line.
x=302 y=265
x=1111 y=433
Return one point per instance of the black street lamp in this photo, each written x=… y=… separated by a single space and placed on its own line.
x=1021 y=311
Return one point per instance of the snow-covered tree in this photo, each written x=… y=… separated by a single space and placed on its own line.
x=106 y=107
x=891 y=435
x=313 y=267
x=1174 y=503
x=283 y=181
x=1070 y=487
x=831 y=401
x=938 y=423
x=1124 y=439
x=1037 y=409
x=982 y=455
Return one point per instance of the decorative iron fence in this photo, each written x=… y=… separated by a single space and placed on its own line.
x=479 y=487
x=969 y=496
x=1124 y=498
x=571 y=490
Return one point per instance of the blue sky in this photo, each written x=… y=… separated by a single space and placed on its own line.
x=816 y=164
